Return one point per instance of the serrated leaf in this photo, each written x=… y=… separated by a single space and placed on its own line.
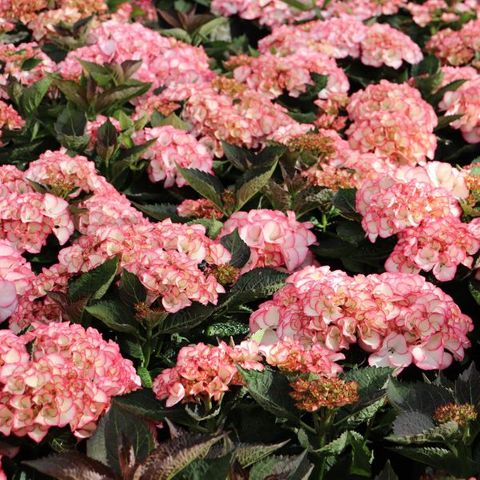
x=71 y=90
x=369 y=379
x=117 y=96
x=282 y=467
x=96 y=447
x=251 y=182
x=171 y=457
x=467 y=386
x=344 y=201
x=114 y=315
x=271 y=391
x=100 y=73
x=254 y=285
x=444 y=433
x=205 y=184
x=387 y=473
x=174 y=120
x=246 y=455
x=227 y=329
x=159 y=211
x=237 y=247
x=412 y=423
x=187 y=318
x=71 y=466
x=33 y=95
x=132 y=290
x=351 y=232
x=239 y=157
x=417 y=397
x=95 y=283
x=120 y=425
x=212 y=225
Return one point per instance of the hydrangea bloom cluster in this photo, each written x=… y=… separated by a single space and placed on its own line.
x=438 y=245
x=165 y=60
x=14 y=268
x=389 y=205
x=274 y=75
x=456 y=47
x=9 y=118
x=204 y=372
x=14 y=58
x=398 y=318
x=394 y=122
x=275 y=239
x=228 y=111
x=268 y=12
x=173 y=147
x=363 y=9
x=465 y=101
x=65 y=176
x=440 y=10
x=68 y=378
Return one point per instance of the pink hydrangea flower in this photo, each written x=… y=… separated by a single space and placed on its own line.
x=9 y=118
x=438 y=245
x=14 y=268
x=275 y=239
x=389 y=205
x=364 y=9
x=8 y=299
x=398 y=318
x=204 y=371
x=68 y=378
x=384 y=45
x=173 y=147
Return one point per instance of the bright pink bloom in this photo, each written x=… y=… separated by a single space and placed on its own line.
x=274 y=239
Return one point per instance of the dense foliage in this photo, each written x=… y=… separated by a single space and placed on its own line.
x=239 y=239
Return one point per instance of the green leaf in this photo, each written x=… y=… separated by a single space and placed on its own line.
x=187 y=318
x=71 y=90
x=444 y=433
x=71 y=122
x=428 y=66
x=450 y=87
x=271 y=391
x=474 y=289
x=344 y=200
x=351 y=232
x=96 y=447
x=212 y=225
x=177 y=33
x=412 y=423
x=132 y=291
x=445 y=120
x=247 y=455
x=369 y=379
x=159 y=211
x=239 y=157
x=237 y=247
x=100 y=73
x=30 y=63
x=95 y=283
x=145 y=376
x=120 y=425
x=114 y=315
x=255 y=285
x=117 y=96
x=174 y=120
x=142 y=403
x=205 y=184
x=291 y=467
x=387 y=473
x=227 y=329
x=252 y=182
x=32 y=96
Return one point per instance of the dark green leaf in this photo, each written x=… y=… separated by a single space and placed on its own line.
x=159 y=211
x=344 y=200
x=95 y=283
x=132 y=290
x=114 y=315
x=187 y=318
x=237 y=247
x=32 y=96
x=239 y=157
x=387 y=473
x=205 y=184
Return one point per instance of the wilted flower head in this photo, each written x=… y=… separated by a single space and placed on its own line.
x=462 y=414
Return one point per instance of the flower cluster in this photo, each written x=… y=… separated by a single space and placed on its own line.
x=172 y=148
x=204 y=372
x=275 y=239
x=438 y=245
x=461 y=414
x=201 y=208
x=456 y=47
x=364 y=9
x=394 y=122
x=398 y=318
x=274 y=75
x=390 y=204
x=440 y=10
x=68 y=378
x=165 y=60
x=9 y=118
x=268 y=12
x=312 y=394
x=227 y=111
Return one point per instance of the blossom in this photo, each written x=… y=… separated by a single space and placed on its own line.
x=312 y=394
x=364 y=9
x=275 y=239
x=451 y=412
x=172 y=148
x=205 y=372
x=398 y=318
x=65 y=176
x=8 y=299
x=28 y=219
x=14 y=268
x=201 y=208
x=389 y=205
x=438 y=245
x=384 y=45
x=68 y=378
x=9 y=118
x=273 y=75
